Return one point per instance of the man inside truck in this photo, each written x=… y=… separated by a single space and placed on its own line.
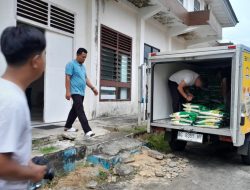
x=178 y=84
x=225 y=78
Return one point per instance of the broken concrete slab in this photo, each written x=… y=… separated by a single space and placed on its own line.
x=155 y=154
x=128 y=160
x=159 y=174
x=92 y=185
x=115 y=147
x=123 y=170
x=69 y=136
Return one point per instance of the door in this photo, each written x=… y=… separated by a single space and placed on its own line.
x=59 y=53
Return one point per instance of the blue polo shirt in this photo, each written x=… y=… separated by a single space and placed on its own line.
x=78 y=77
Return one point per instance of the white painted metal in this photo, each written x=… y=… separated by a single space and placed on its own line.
x=56 y=107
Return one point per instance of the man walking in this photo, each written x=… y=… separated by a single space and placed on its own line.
x=24 y=50
x=75 y=82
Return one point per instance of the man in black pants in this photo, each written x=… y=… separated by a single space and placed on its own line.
x=76 y=81
x=177 y=84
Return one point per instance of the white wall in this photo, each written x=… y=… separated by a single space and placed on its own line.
x=156 y=35
x=177 y=44
x=7 y=15
x=121 y=18
x=162 y=101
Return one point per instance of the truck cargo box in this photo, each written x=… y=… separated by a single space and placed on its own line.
x=236 y=59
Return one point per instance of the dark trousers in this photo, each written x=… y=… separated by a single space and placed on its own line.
x=177 y=99
x=77 y=110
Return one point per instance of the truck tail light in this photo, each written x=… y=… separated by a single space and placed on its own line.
x=225 y=139
x=231 y=47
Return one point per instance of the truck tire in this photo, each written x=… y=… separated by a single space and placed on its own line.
x=175 y=144
x=246 y=158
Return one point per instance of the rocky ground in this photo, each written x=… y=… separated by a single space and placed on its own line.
x=145 y=167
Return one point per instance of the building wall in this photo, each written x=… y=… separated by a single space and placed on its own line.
x=7 y=15
x=121 y=18
x=177 y=44
x=156 y=35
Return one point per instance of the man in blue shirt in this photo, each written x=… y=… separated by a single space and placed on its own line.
x=76 y=81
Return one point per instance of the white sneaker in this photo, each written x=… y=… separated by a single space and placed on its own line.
x=90 y=134
x=72 y=129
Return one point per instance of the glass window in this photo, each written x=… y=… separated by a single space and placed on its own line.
x=108 y=93
x=197 y=5
x=116 y=51
x=149 y=49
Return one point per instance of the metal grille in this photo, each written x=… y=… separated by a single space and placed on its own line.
x=33 y=10
x=46 y=14
x=62 y=20
x=115 y=52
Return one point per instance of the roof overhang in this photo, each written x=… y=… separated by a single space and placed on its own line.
x=224 y=13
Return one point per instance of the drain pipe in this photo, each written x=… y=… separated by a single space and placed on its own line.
x=140 y=93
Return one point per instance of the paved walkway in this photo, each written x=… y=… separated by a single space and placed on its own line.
x=106 y=129
x=100 y=126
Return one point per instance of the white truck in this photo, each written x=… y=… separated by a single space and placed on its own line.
x=162 y=65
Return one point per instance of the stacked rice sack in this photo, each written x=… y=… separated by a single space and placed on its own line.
x=199 y=116
x=212 y=118
x=183 y=118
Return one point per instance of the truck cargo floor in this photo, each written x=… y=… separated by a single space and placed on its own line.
x=165 y=123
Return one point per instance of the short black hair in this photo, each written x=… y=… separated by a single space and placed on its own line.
x=19 y=43
x=81 y=50
x=204 y=81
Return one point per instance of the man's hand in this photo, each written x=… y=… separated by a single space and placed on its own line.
x=95 y=91
x=190 y=98
x=191 y=95
x=68 y=95
x=38 y=170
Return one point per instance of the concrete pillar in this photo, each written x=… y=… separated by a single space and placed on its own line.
x=140 y=38
x=93 y=33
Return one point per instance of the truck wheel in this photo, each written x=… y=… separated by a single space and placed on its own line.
x=175 y=144
x=246 y=158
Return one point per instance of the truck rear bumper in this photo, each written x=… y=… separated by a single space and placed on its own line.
x=165 y=123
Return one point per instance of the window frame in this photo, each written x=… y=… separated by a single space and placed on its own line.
x=152 y=48
x=181 y=2
x=196 y=2
x=113 y=83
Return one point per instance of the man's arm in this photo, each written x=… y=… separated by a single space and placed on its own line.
x=180 y=88
x=67 y=86
x=89 y=84
x=12 y=171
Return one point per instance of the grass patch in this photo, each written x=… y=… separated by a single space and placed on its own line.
x=103 y=175
x=137 y=129
x=83 y=165
x=156 y=141
x=47 y=150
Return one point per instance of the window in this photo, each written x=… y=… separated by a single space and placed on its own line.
x=149 y=49
x=116 y=52
x=197 y=5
